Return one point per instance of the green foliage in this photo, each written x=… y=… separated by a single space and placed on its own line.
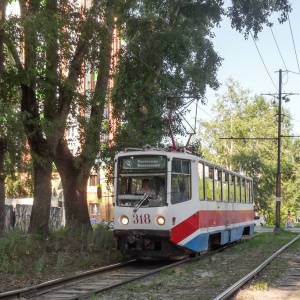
x=243 y=137
x=167 y=52
x=18 y=187
x=183 y=60
x=251 y=15
x=62 y=251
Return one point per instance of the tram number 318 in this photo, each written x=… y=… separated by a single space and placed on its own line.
x=141 y=219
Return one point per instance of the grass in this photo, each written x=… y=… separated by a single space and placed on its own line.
x=65 y=251
x=259 y=286
x=217 y=274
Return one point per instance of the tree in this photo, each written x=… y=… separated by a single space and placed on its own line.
x=243 y=137
x=55 y=39
x=291 y=177
x=3 y=5
x=62 y=42
x=12 y=137
x=169 y=45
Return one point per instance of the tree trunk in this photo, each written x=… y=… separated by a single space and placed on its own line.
x=75 y=195
x=75 y=171
x=2 y=186
x=39 y=220
x=3 y=5
x=74 y=178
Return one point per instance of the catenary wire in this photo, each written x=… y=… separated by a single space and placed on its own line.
x=293 y=43
x=260 y=54
x=263 y=61
x=278 y=48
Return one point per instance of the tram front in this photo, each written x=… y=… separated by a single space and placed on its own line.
x=142 y=227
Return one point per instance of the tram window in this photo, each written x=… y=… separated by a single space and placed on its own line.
x=176 y=166
x=248 y=192
x=238 y=189
x=181 y=181
x=201 y=181
x=209 y=186
x=232 y=180
x=123 y=186
x=218 y=185
x=249 y=189
x=243 y=191
x=186 y=167
x=225 y=186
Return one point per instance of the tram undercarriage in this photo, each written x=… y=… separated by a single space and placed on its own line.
x=140 y=245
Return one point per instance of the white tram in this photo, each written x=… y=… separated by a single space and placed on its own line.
x=192 y=205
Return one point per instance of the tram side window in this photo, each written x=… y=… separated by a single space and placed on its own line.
x=250 y=191
x=243 y=191
x=201 y=181
x=232 y=180
x=181 y=181
x=218 y=185
x=238 y=189
x=209 y=185
x=225 y=179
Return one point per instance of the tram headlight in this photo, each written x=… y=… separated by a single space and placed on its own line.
x=160 y=220
x=124 y=220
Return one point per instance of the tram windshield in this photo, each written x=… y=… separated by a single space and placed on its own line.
x=142 y=181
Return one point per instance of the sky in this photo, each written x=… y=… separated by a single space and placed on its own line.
x=251 y=67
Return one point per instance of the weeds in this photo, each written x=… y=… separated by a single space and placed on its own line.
x=259 y=286
x=40 y=265
x=63 y=251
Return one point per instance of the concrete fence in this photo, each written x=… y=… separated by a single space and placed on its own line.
x=18 y=217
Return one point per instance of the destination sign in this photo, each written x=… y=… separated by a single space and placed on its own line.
x=144 y=162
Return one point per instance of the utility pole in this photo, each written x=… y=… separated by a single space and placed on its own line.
x=278 y=175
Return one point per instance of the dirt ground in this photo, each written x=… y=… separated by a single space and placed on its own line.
x=285 y=286
x=205 y=280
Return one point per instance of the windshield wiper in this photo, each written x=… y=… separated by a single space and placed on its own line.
x=143 y=199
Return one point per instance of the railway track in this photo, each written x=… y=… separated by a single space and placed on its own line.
x=84 y=285
x=290 y=282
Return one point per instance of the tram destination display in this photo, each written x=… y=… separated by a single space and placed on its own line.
x=143 y=162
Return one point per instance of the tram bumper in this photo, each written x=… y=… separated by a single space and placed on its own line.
x=146 y=243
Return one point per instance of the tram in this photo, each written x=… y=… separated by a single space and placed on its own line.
x=191 y=205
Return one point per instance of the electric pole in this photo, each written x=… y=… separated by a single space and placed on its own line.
x=278 y=174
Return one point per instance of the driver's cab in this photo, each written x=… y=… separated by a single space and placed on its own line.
x=148 y=189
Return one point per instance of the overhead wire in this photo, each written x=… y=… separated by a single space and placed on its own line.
x=260 y=54
x=293 y=43
x=205 y=111
x=263 y=61
x=281 y=55
x=279 y=52
x=292 y=35
x=278 y=48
